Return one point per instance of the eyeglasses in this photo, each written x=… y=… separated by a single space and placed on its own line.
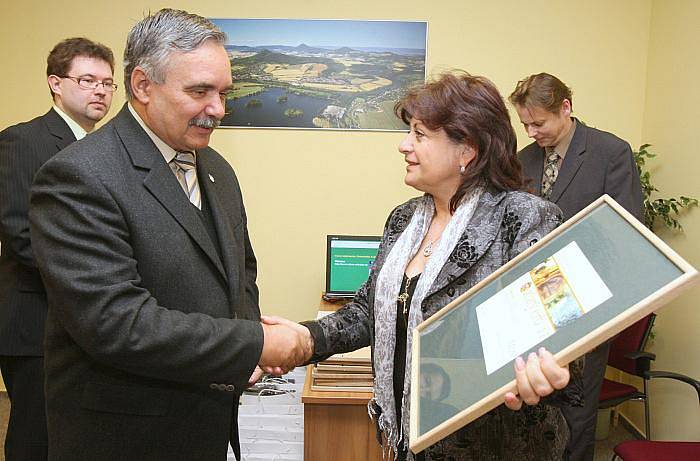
x=92 y=84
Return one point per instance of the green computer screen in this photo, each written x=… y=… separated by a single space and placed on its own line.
x=350 y=259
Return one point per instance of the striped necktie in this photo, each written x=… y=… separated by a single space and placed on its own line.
x=184 y=167
x=551 y=171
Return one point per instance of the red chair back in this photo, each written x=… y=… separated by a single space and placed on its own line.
x=629 y=340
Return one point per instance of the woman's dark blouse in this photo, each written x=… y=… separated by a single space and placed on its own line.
x=408 y=286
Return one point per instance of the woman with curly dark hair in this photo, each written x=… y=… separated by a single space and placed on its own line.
x=472 y=218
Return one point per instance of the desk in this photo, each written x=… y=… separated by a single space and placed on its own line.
x=332 y=305
x=337 y=426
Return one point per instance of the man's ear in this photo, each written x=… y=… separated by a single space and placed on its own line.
x=566 y=107
x=54 y=84
x=141 y=85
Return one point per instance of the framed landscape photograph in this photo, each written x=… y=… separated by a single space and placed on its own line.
x=321 y=73
x=586 y=281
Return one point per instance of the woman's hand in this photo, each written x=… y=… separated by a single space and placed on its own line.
x=537 y=378
x=255 y=377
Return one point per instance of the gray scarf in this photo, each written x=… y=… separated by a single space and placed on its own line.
x=385 y=299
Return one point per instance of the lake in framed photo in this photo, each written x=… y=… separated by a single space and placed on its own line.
x=321 y=73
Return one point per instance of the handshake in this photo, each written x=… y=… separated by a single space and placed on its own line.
x=286 y=345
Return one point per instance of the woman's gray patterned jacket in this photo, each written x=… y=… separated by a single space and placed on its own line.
x=503 y=225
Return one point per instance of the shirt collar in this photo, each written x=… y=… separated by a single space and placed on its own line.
x=78 y=131
x=166 y=151
x=563 y=145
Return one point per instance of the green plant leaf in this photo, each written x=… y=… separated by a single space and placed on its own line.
x=661 y=209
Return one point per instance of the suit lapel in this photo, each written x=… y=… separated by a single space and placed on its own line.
x=572 y=162
x=59 y=129
x=533 y=166
x=162 y=184
x=224 y=222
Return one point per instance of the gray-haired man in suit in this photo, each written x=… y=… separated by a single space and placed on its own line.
x=572 y=165
x=79 y=74
x=140 y=234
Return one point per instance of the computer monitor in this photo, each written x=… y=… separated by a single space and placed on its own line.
x=349 y=259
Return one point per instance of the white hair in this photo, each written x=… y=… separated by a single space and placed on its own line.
x=155 y=37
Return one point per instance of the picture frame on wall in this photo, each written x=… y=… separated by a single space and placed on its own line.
x=586 y=281
x=321 y=74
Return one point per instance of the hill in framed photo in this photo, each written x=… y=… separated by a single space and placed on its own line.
x=321 y=73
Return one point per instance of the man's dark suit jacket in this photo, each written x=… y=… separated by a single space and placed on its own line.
x=151 y=333
x=596 y=163
x=23 y=149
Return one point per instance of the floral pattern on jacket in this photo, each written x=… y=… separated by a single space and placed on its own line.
x=503 y=225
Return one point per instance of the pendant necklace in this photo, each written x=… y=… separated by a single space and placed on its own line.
x=403 y=298
x=428 y=250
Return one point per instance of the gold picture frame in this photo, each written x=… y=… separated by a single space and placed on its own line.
x=605 y=271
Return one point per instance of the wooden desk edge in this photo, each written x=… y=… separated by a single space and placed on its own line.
x=332 y=397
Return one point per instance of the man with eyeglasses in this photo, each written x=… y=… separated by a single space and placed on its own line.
x=80 y=78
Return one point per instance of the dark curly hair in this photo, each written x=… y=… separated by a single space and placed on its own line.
x=471 y=111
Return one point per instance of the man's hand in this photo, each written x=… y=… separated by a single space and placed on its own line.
x=286 y=345
x=537 y=378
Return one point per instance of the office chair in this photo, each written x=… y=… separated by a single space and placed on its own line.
x=627 y=354
x=647 y=450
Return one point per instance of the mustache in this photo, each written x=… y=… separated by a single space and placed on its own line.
x=205 y=122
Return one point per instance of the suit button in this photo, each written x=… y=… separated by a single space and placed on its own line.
x=222 y=387
x=230 y=387
x=213 y=386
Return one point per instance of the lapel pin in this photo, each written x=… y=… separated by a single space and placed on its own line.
x=211 y=178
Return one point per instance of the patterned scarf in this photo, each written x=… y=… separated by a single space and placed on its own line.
x=386 y=294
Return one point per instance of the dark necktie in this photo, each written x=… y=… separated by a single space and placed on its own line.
x=551 y=171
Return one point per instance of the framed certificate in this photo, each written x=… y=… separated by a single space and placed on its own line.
x=586 y=281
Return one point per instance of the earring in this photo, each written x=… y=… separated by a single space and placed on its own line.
x=462 y=169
